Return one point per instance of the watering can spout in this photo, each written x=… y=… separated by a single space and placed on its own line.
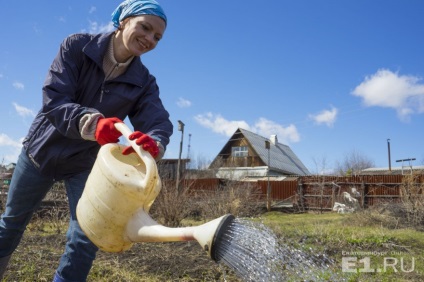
x=142 y=228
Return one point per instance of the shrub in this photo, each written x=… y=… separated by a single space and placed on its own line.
x=173 y=204
x=237 y=198
x=412 y=197
x=408 y=212
x=240 y=199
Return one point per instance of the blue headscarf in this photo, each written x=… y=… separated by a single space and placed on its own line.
x=135 y=8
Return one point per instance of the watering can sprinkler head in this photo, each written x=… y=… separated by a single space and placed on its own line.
x=210 y=235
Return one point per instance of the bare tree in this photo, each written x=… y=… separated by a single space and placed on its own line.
x=321 y=166
x=240 y=199
x=199 y=168
x=320 y=185
x=353 y=163
x=202 y=163
x=173 y=204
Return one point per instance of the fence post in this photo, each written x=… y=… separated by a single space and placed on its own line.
x=300 y=192
x=363 y=194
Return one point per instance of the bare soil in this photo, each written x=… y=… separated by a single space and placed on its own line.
x=38 y=255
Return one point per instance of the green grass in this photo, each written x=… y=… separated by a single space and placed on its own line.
x=364 y=243
x=346 y=236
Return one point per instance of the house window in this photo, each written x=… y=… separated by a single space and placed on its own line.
x=239 y=151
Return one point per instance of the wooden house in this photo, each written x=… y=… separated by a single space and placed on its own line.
x=246 y=155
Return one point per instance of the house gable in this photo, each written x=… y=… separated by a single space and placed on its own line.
x=282 y=160
x=230 y=156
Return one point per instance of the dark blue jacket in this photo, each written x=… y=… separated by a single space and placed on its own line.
x=75 y=85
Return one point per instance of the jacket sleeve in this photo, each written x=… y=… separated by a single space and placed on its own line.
x=150 y=116
x=60 y=88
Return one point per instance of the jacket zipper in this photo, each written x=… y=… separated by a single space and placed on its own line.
x=102 y=91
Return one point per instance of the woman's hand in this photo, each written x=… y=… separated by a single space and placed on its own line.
x=144 y=141
x=106 y=131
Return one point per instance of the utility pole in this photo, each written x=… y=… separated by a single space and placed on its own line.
x=268 y=190
x=180 y=128
x=188 y=146
x=388 y=148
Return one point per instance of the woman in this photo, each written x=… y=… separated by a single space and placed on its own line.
x=94 y=82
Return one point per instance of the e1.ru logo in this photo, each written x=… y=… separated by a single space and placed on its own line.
x=351 y=264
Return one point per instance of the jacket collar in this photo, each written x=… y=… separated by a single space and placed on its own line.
x=97 y=47
x=96 y=50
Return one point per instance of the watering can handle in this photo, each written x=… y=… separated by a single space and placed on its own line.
x=126 y=132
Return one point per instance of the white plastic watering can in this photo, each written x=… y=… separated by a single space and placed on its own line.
x=113 y=209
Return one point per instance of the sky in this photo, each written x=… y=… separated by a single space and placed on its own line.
x=328 y=77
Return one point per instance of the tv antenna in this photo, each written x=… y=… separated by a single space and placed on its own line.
x=406 y=166
x=188 y=146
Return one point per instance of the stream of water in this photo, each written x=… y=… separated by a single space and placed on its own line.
x=253 y=252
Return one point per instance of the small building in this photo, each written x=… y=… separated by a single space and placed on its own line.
x=245 y=155
x=10 y=167
x=398 y=170
x=168 y=168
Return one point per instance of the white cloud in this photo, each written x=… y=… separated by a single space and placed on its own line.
x=92 y=9
x=262 y=127
x=95 y=27
x=13 y=150
x=219 y=124
x=183 y=103
x=18 y=85
x=7 y=141
x=22 y=111
x=327 y=117
x=404 y=93
x=267 y=128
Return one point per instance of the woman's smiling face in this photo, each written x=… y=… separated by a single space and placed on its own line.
x=141 y=34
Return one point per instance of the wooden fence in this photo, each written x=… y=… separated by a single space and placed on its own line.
x=315 y=192
x=369 y=190
x=322 y=192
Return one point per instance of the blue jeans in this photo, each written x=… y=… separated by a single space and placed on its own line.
x=27 y=190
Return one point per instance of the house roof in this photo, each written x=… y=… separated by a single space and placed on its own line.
x=5 y=175
x=173 y=161
x=393 y=170
x=282 y=158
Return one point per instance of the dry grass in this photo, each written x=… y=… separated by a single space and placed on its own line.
x=173 y=206
x=390 y=229
x=39 y=252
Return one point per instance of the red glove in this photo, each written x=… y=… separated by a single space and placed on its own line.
x=106 y=131
x=145 y=141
